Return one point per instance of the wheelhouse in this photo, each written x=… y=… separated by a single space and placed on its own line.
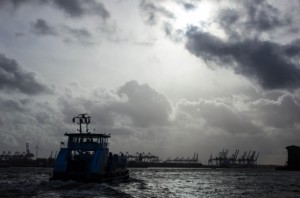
x=87 y=141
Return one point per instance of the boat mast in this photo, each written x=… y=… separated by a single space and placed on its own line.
x=82 y=119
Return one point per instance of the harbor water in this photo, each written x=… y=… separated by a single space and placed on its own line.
x=156 y=182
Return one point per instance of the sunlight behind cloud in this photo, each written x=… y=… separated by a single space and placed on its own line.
x=195 y=16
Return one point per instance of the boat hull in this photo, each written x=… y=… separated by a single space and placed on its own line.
x=107 y=178
x=286 y=168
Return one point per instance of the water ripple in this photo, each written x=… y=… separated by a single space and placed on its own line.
x=156 y=182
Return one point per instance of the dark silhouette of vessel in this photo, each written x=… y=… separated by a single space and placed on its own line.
x=293 y=160
x=87 y=158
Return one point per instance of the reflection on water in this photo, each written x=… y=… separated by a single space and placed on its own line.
x=156 y=182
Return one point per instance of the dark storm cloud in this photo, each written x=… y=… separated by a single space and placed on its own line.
x=77 y=8
x=81 y=35
x=189 y=6
x=73 y=8
x=215 y=115
x=228 y=19
x=253 y=17
x=42 y=28
x=175 y=35
x=15 y=3
x=133 y=105
x=228 y=16
x=153 y=11
x=135 y=110
x=168 y=29
x=282 y=113
x=26 y=120
x=263 y=16
x=13 y=77
x=145 y=105
x=79 y=32
x=241 y=116
x=71 y=35
x=271 y=64
x=19 y=34
x=12 y=105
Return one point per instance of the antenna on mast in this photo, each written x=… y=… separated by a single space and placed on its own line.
x=82 y=119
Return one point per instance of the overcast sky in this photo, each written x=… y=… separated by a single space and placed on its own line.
x=167 y=77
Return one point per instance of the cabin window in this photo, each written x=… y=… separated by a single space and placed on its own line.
x=75 y=139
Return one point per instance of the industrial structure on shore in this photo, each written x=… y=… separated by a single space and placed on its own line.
x=150 y=158
x=142 y=160
x=142 y=157
x=17 y=155
x=194 y=159
x=24 y=159
x=248 y=159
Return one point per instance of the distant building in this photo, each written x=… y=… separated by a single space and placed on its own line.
x=293 y=157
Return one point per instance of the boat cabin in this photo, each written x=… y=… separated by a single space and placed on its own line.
x=87 y=141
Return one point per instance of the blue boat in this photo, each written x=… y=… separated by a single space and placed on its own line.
x=87 y=158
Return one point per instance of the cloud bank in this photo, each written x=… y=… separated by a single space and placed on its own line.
x=72 y=8
x=272 y=65
x=15 y=78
